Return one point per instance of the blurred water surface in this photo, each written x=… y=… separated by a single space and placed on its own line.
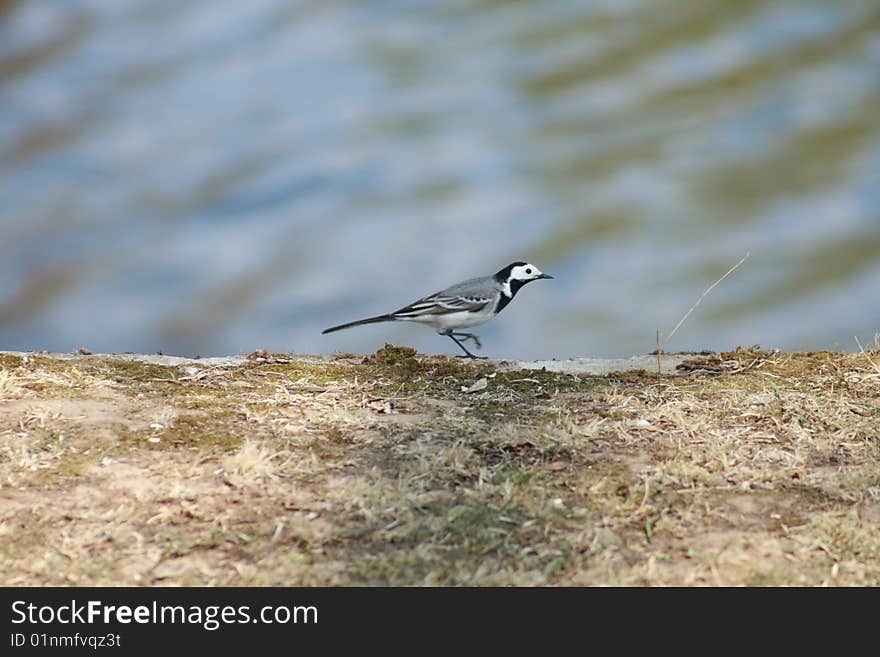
x=209 y=177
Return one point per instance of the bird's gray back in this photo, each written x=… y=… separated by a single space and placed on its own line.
x=473 y=287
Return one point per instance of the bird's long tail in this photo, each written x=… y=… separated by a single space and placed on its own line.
x=368 y=320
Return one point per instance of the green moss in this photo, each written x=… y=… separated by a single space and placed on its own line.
x=515 y=474
x=782 y=577
x=536 y=382
x=218 y=430
x=132 y=371
x=10 y=361
x=400 y=567
x=314 y=373
x=45 y=362
x=221 y=431
x=71 y=466
x=394 y=355
x=633 y=376
x=404 y=362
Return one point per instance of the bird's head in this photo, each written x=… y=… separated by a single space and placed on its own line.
x=517 y=274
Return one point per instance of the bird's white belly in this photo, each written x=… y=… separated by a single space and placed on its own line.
x=454 y=321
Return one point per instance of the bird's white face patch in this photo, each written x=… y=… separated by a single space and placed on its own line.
x=525 y=272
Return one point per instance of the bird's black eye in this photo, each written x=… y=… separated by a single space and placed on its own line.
x=529 y=272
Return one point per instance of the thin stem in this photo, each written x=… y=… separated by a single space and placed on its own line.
x=702 y=296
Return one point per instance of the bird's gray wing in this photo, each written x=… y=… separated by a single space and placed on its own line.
x=443 y=304
x=469 y=296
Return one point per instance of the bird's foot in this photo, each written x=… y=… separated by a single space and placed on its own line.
x=470 y=336
x=465 y=336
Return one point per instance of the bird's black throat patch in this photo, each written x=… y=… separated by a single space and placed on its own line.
x=503 y=277
x=503 y=300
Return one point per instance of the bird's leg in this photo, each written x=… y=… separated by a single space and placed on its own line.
x=469 y=354
x=470 y=336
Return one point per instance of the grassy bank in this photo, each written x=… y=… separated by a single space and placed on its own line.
x=748 y=467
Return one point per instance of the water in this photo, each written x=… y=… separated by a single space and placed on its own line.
x=211 y=177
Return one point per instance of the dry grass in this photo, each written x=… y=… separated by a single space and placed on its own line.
x=749 y=468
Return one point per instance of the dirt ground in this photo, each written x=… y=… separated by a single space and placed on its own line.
x=745 y=468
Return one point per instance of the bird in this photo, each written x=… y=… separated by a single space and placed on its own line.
x=463 y=305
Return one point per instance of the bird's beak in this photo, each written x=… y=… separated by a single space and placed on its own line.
x=545 y=276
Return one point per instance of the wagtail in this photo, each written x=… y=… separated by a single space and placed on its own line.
x=469 y=303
